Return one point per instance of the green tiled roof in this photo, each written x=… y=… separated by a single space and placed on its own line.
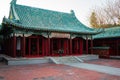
x=46 y=20
x=109 y=33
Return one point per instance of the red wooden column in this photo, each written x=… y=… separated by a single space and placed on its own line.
x=91 y=45
x=70 y=45
x=14 y=45
x=8 y=45
x=43 y=47
x=80 y=46
x=59 y=45
x=117 y=42
x=29 y=46
x=65 y=46
x=48 y=44
x=86 y=44
x=38 y=48
x=52 y=47
x=77 y=46
x=23 y=45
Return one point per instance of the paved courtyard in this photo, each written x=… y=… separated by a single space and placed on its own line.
x=106 y=62
x=56 y=72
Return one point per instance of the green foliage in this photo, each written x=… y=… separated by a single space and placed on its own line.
x=1 y=39
x=93 y=20
x=6 y=30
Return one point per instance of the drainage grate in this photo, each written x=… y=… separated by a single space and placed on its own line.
x=1 y=78
x=43 y=78
x=36 y=79
x=48 y=78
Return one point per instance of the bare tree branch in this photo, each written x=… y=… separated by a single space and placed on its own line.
x=109 y=15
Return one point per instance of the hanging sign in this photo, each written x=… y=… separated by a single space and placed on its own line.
x=60 y=35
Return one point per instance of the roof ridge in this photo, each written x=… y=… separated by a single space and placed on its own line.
x=44 y=9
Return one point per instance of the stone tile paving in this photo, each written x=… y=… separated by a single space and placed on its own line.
x=98 y=68
x=51 y=72
x=106 y=62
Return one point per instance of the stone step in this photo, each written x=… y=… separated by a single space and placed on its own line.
x=88 y=57
x=63 y=60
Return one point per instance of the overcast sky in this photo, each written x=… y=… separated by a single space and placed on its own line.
x=82 y=8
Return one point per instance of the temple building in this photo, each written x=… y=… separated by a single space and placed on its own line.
x=39 y=32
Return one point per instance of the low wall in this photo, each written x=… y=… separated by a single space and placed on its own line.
x=22 y=61
x=103 y=52
x=88 y=57
x=27 y=61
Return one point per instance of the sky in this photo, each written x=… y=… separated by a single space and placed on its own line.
x=82 y=8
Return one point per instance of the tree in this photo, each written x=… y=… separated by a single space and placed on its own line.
x=6 y=31
x=109 y=14
x=93 y=20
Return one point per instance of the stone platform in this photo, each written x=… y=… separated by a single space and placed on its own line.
x=22 y=60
